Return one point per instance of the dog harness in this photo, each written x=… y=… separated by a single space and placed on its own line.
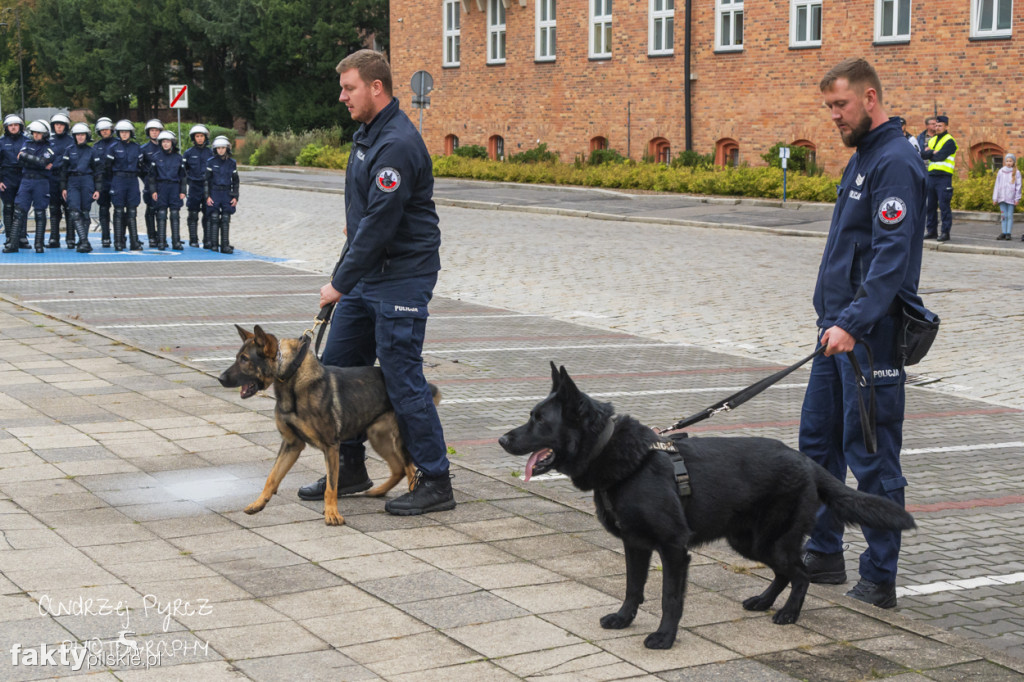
x=678 y=465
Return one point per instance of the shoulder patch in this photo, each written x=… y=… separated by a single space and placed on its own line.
x=891 y=212
x=388 y=180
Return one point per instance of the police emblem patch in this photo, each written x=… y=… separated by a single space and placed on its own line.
x=892 y=211
x=388 y=180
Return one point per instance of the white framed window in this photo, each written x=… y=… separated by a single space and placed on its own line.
x=600 y=28
x=660 y=31
x=805 y=23
x=728 y=25
x=452 y=32
x=892 y=20
x=545 y=30
x=991 y=18
x=495 y=32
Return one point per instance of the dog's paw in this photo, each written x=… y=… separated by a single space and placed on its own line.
x=660 y=640
x=255 y=507
x=785 y=617
x=614 y=621
x=758 y=603
x=333 y=518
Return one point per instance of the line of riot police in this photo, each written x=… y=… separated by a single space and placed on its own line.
x=62 y=173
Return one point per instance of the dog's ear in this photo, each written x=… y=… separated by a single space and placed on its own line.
x=244 y=333
x=267 y=343
x=566 y=386
x=554 y=376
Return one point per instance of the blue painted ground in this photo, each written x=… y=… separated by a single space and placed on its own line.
x=108 y=255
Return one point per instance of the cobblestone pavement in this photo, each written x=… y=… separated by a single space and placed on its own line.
x=510 y=583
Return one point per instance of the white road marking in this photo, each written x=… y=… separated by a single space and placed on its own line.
x=963 y=448
x=611 y=394
x=549 y=348
x=269 y=322
x=957 y=585
x=126 y=299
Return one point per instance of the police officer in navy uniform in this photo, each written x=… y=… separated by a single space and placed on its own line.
x=165 y=185
x=127 y=165
x=150 y=148
x=196 y=158
x=940 y=155
x=36 y=159
x=871 y=263
x=386 y=280
x=105 y=132
x=81 y=183
x=60 y=142
x=221 y=188
x=11 y=143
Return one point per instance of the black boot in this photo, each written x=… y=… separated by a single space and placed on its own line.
x=55 y=216
x=8 y=223
x=225 y=244
x=352 y=478
x=150 y=218
x=81 y=222
x=105 y=225
x=208 y=241
x=161 y=229
x=193 y=228
x=15 y=224
x=882 y=595
x=118 y=228
x=41 y=230
x=826 y=569
x=131 y=223
x=70 y=237
x=943 y=237
x=175 y=230
x=431 y=494
x=212 y=232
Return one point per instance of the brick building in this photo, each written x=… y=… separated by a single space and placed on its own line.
x=582 y=74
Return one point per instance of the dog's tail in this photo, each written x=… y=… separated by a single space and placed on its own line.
x=435 y=394
x=854 y=507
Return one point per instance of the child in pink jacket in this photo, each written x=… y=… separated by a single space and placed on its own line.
x=1006 y=194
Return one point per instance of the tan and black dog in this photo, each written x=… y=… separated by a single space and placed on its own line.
x=319 y=405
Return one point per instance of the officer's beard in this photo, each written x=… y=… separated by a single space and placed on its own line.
x=857 y=133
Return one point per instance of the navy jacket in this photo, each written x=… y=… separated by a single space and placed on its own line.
x=221 y=176
x=873 y=251
x=196 y=158
x=34 y=159
x=392 y=225
x=126 y=158
x=60 y=144
x=81 y=159
x=165 y=167
x=102 y=147
x=10 y=145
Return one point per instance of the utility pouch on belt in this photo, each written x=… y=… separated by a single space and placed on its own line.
x=917 y=331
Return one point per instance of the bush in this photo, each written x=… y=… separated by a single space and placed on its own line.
x=471 y=151
x=539 y=154
x=692 y=159
x=320 y=156
x=282 y=149
x=600 y=156
x=797 y=157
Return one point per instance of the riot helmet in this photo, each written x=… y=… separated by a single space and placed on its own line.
x=60 y=118
x=199 y=129
x=39 y=127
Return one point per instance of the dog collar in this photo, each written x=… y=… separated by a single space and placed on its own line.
x=296 y=362
x=604 y=437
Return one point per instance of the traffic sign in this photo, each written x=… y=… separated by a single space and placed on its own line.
x=179 y=97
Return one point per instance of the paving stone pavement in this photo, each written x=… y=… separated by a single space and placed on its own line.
x=124 y=470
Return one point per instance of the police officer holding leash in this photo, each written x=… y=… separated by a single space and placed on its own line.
x=869 y=272
x=385 y=281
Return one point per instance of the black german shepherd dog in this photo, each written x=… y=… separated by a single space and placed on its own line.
x=757 y=493
x=319 y=405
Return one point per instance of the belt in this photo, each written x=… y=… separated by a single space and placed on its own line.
x=77 y=174
x=36 y=176
x=168 y=182
x=126 y=173
x=222 y=187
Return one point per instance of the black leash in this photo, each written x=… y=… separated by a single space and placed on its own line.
x=737 y=399
x=867 y=414
x=323 y=318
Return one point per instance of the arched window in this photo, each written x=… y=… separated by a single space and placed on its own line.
x=451 y=143
x=812 y=150
x=660 y=150
x=598 y=143
x=496 y=147
x=988 y=152
x=727 y=152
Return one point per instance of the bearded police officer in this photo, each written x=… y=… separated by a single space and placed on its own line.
x=385 y=281
x=940 y=155
x=872 y=262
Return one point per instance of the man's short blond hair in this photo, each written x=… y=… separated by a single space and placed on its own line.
x=857 y=72
x=371 y=65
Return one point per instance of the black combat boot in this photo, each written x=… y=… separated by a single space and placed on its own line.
x=209 y=241
x=8 y=223
x=882 y=595
x=55 y=216
x=212 y=233
x=352 y=478
x=70 y=239
x=225 y=244
x=118 y=228
x=161 y=229
x=150 y=218
x=133 y=229
x=41 y=230
x=81 y=222
x=826 y=569
x=193 y=228
x=15 y=224
x=175 y=230
x=104 y=212
x=431 y=494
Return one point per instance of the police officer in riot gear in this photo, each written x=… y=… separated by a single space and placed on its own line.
x=222 y=193
x=11 y=144
x=127 y=165
x=165 y=185
x=60 y=142
x=105 y=132
x=81 y=182
x=36 y=159
x=196 y=157
x=149 y=149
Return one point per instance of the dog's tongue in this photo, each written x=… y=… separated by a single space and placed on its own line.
x=533 y=460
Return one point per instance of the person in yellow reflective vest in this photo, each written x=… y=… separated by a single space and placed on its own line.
x=940 y=155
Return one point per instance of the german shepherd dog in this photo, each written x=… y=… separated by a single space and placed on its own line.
x=319 y=405
x=757 y=493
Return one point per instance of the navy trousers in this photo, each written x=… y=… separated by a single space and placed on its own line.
x=940 y=194
x=830 y=434
x=388 y=321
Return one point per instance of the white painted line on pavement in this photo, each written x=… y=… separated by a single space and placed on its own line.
x=79 y=280
x=611 y=394
x=526 y=348
x=963 y=448
x=957 y=585
x=126 y=299
x=223 y=322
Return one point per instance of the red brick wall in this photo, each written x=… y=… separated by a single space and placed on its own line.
x=764 y=94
